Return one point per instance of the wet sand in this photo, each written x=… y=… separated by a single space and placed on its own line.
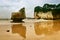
x=42 y=30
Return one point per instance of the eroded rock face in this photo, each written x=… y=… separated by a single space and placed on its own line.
x=43 y=15
x=18 y=16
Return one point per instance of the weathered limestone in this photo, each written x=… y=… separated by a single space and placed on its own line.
x=42 y=15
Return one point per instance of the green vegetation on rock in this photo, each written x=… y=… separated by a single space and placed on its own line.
x=55 y=9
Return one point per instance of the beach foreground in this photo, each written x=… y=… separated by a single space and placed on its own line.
x=29 y=30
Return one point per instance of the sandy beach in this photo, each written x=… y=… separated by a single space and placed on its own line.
x=29 y=30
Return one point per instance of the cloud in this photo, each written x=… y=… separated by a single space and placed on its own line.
x=8 y=6
x=53 y=1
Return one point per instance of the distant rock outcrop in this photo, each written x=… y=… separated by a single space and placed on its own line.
x=18 y=16
x=48 y=11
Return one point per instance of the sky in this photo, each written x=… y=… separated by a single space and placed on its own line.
x=9 y=6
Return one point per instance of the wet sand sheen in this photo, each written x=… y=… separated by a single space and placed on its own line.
x=47 y=27
x=20 y=29
x=43 y=30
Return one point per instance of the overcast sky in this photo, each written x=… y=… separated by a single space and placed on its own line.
x=9 y=6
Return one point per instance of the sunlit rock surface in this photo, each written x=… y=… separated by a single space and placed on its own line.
x=43 y=15
x=18 y=16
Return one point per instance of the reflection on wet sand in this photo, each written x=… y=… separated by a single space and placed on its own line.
x=56 y=26
x=47 y=27
x=20 y=29
x=42 y=30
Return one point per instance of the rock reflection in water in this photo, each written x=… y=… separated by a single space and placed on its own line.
x=46 y=27
x=20 y=29
x=56 y=26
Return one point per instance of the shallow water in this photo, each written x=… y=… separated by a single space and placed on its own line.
x=43 y=30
